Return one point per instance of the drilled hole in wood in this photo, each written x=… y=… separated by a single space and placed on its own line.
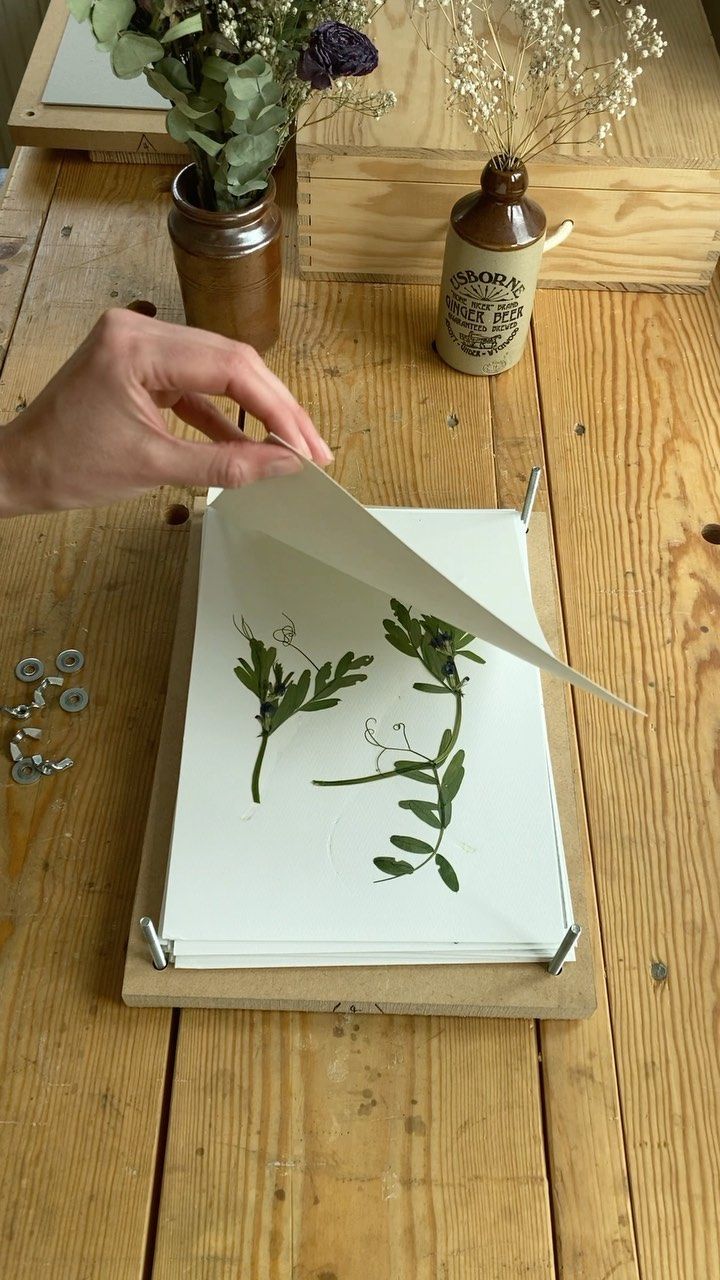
x=28 y=113
x=142 y=307
x=711 y=533
x=177 y=514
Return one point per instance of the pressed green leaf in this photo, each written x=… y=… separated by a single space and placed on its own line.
x=320 y=706
x=292 y=700
x=132 y=52
x=432 y=688
x=447 y=873
x=80 y=9
x=110 y=17
x=248 y=679
x=424 y=810
x=397 y=638
x=468 y=653
x=322 y=678
x=409 y=844
x=411 y=769
x=393 y=866
x=453 y=776
x=188 y=27
x=444 y=743
x=402 y=613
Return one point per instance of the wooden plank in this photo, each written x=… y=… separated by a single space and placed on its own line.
x=654 y=135
x=285 y=1102
x=26 y=196
x=631 y=495
x=594 y=1232
x=33 y=122
x=81 y=1077
x=19 y=22
x=378 y=228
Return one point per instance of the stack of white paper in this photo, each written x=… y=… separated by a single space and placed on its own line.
x=455 y=857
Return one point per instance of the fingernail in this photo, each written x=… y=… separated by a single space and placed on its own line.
x=284 y=466
x=328 y=454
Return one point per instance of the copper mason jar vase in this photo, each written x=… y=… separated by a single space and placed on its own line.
x=228 y=264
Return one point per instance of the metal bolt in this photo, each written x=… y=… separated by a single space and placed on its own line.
x=74 y=699
x=70 y=660
x=29 y=669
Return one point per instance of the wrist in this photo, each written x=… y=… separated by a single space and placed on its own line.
x=14 y=495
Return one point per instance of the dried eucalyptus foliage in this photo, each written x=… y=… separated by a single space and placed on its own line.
x=282 y=694
x=437 y=645
x=237 y=73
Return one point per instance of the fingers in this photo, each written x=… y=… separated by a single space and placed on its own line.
x=224 y=465
x=165 y=357
x=201 y=413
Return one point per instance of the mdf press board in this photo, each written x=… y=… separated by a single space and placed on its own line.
x=520 y=990
x=47 y=113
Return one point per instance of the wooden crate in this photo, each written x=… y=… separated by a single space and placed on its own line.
x=107 y=133
x=374 y=195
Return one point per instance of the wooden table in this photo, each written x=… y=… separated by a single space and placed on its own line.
x=316 y=1147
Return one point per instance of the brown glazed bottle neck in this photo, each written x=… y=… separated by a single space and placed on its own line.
x=221 y=234
x=500 y=215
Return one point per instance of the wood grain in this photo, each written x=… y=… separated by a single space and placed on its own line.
x=81 y=1077
x=341 y=1146
x=594 y=1231
x=33 y=122
x=621 y=239
x=375 y=195
x=26 y=197
x=653 y=135
x=631 y=495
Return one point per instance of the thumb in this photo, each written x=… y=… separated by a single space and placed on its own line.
x=227 y=465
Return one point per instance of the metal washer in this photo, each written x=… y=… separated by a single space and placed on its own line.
x=70 y=660
x=29 y=669
x=74 y=699
x=26 y=772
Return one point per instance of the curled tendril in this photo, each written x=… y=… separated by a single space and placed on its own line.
x=285 y=634
x=244 y=629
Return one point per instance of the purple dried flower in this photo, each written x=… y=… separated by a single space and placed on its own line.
x=333 y=50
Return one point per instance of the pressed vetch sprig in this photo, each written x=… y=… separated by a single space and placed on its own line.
x=280 y=694
x=437 y=645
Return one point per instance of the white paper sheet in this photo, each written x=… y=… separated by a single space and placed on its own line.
x=292 y=879
x=81 y=75
x=315 y=515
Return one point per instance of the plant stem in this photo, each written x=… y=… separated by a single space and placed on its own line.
x=255 y=785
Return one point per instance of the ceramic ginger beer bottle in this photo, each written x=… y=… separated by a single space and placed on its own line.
x=495 y=241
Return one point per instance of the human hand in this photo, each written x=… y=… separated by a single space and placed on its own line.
x=96 y=434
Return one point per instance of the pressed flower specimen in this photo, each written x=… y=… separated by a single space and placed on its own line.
x=438 y=646
x=282 y=694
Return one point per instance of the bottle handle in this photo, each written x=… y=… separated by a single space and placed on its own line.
x=559 y=234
